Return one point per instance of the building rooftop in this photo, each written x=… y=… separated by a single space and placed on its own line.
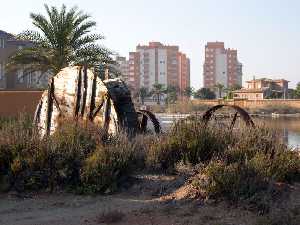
x=267 y=79
x=254 y=90
x=3 y=33
x=156 y=44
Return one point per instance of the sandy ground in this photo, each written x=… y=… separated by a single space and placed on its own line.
x=150 y=200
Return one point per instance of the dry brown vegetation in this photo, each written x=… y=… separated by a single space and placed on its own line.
x=248 y=168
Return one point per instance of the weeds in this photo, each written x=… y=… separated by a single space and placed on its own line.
x=74 y=157
x=239 y=165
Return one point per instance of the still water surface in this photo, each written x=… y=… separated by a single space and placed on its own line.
x=288 y=127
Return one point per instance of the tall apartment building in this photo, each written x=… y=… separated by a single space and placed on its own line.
x=221 y=66
x=157 y=63
x=8 y=45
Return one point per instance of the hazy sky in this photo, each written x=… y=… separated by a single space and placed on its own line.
x=266 y=33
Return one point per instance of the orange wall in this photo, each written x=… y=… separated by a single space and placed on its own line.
x=14 y=102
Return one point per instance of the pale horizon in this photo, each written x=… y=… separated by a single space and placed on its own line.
x=264 y=33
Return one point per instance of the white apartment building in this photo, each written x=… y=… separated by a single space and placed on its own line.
x=156 y=63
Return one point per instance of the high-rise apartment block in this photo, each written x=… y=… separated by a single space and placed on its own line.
x=221 y=66
x=156 y=63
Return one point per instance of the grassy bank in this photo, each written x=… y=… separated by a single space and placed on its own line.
x=269 y=109
x=189 y=106
x=250 y=166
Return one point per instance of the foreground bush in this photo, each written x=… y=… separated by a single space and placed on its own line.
x=74 y=157
x=103 y=169
x=249 y=169
x=190 y=141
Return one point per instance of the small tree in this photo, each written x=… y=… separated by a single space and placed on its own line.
x=220 y=88
x=188 y=92
x=204 y=93
x=142 y=94
x=229 y=94
x=157 y=91
x=171 y=92
x=296 y=93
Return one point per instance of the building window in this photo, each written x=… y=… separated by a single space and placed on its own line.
x=1 y=71
x=20 y=76
x=2 y=43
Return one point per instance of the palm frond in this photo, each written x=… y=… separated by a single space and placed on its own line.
x=63 y=38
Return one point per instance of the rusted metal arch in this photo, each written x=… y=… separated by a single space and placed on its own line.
x=243 y=114
x=144 y=121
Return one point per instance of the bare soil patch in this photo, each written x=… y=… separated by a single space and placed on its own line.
x=151 y=199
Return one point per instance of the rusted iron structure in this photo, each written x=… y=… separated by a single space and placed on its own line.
x=75 y=92
x=238 y=112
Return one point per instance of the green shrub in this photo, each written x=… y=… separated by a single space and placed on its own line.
x=68 y=147
x=63 y=160
x=199 y=143
x=103 y=169
x=233 y=181
x=249 y=169
x=163 y=153
x=189 y=140
x=19 y=150
x=282 y=167
x=249 y=142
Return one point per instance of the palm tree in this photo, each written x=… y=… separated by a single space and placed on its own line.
x=229 y=90
x=63 y=38
x=188 y=92
x=172 y=94
x=204 y=93
x=157 y=91
x=220 y=88
x=142 y=94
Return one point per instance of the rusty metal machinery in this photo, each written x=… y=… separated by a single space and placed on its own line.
x=75 y=92
x=238 y=112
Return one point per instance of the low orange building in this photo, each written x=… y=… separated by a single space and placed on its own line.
x=263 y=88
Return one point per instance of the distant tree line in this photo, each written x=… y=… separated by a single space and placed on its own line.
x=170 y=93
x=294 y=93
